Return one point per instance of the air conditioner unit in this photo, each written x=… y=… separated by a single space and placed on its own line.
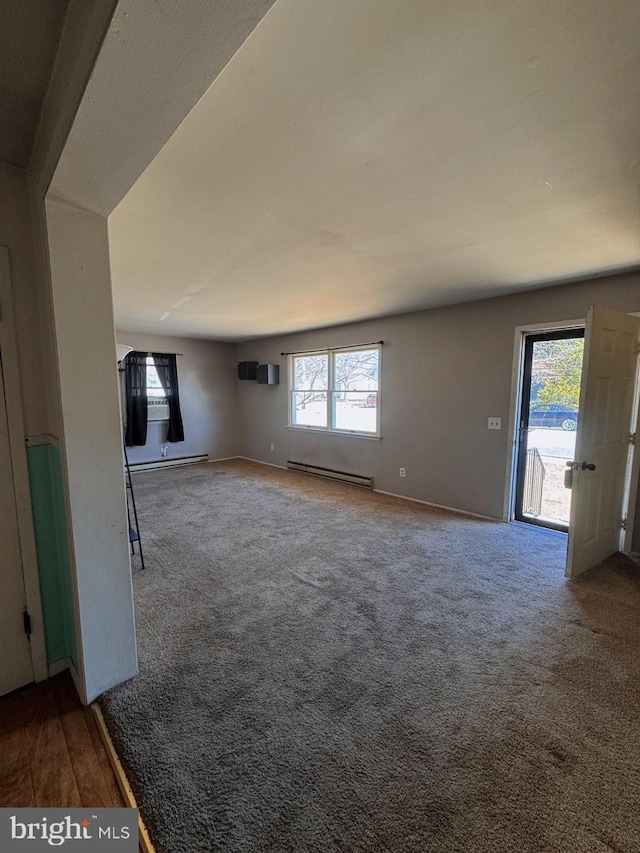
x=157 y=410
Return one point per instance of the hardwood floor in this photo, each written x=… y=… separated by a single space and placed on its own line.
x=51 y=752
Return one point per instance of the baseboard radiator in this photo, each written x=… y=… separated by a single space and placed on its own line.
x=167 y=463
x=331 y=474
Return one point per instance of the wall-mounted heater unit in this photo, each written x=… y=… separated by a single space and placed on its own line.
x=331 y=474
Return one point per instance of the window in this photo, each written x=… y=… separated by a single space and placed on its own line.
x=151 y=394
x=157 y=404
x=336 y=390
x=155 y=390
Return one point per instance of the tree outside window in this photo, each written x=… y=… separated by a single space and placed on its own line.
x=336 y=390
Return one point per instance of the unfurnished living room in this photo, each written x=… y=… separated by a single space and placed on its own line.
x=319 y=337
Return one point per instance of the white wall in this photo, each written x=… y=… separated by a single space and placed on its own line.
x=208 y=398
x=444 y=372
x=92 y=445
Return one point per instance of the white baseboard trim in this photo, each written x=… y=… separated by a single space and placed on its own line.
x=394 y=495
x=58 y=666
x=226 y=458
x=135 y=467
x=440 y=506
x=260 y=462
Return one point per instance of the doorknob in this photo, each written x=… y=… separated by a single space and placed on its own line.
x=588 y=466
x=568 y=474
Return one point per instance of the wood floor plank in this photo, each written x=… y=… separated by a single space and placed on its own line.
x=87 y=769
x=54 y=782
x=16 y=788
x=52 y=752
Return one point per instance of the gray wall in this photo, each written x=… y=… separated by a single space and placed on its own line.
x=444 y=372
x=208 y=398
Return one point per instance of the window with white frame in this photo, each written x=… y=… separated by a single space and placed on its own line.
x=336 y=390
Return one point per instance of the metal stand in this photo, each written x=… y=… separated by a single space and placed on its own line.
x=134 y=530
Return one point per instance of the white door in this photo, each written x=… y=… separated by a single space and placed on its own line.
x=15 y=652
x=603 y=446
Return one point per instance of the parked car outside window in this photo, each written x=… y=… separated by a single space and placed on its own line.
x=551 y=416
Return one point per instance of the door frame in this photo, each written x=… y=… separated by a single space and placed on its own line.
x=21 y=489
x=633 y=492
x=515 y=407
x=529 y=338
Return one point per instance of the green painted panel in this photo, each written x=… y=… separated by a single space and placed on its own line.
x=49 y=522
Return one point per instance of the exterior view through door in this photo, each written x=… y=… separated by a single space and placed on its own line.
x=548 y=421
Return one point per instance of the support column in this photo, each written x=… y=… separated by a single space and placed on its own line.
x=92 y=446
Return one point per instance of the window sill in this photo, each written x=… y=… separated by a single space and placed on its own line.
x=367 y=435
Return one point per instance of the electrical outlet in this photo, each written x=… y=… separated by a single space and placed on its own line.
x=495 y=423
x=272 y=446
x=403 y=472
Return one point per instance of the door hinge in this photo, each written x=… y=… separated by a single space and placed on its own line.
x=623 y=524
x=632 y=438
x=26 y=618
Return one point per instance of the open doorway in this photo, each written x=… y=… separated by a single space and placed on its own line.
x=548 y=418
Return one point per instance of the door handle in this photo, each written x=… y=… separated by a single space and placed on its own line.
x=568 y=474
x=588 y=466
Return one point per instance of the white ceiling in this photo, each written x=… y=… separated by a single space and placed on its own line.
x=362 y=158
x=29 y=35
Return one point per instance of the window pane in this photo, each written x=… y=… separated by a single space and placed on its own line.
x=154 y=386
x=556 y=371
x=355 y=410
x=309 y=408
x=311 y=372
x=356 y=370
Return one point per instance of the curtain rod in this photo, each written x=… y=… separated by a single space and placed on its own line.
x=164 y=353
x=333 y=349
x=123 y=370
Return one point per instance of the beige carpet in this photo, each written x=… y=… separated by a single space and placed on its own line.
x=326 y=669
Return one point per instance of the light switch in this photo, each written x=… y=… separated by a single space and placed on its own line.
x=495 y=423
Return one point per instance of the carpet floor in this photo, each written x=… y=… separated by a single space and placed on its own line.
x=328 y=669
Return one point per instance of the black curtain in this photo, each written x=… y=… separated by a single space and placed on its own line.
x=167 y=367
x=135 y=375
